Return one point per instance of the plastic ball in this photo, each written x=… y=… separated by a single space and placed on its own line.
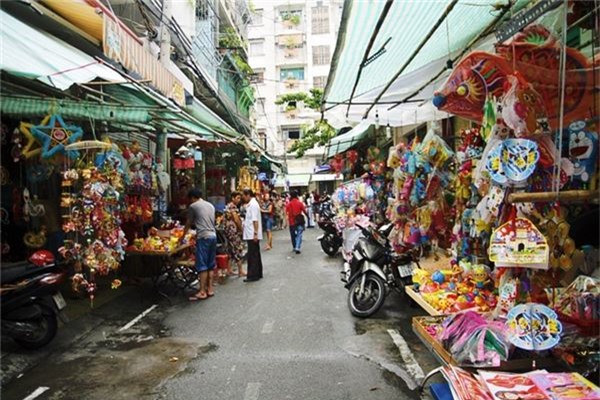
x=438 y=277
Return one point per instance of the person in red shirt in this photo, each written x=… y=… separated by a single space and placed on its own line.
x=296 y=210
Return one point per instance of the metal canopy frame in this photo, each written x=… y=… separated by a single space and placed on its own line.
x=413 y=55
x=365 y=59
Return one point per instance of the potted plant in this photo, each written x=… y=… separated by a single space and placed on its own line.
x=291 y=110
x=290 y=47
x=290 y=20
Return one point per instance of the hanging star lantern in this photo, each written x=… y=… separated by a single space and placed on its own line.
x=55 y=134
x=32 y=146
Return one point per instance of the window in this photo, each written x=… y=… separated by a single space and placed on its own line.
x=292 y=133
x=257 y=17
x=262 y=138
x=257 y=47
x=260 y=106
x=291 y=73
x=320 y=20
x=286 y=15
x=319 y=82
x=320 y=55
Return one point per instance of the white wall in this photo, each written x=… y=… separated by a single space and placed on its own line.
x=273 y=119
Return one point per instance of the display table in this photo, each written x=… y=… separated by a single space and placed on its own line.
x=421 y=301
x=420 y=325
x=173 y=270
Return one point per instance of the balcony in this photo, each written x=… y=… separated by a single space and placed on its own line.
x=290 y=55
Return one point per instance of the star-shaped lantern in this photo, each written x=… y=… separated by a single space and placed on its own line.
x=32 y=147
x=55 y=134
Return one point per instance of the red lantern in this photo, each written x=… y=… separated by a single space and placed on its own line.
x=352 y=156
x=337 y=163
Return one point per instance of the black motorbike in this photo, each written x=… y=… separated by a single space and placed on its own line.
x=375 y=269
x=331 y=240
x=30 y=301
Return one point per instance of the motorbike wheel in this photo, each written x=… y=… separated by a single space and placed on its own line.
x=372 y=299
x=46 y=328
x=329 y=247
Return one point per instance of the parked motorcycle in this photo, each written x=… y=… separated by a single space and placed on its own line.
x=331 y=240
x=375 y=269
x=30 y=301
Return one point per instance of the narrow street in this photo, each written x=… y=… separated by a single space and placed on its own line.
x=288 y=336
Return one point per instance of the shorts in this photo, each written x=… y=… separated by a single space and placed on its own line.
x=206 y=254
x=268 y=223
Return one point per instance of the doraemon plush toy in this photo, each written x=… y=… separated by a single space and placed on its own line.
x=583 y=151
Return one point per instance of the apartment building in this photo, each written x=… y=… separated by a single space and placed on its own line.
x=290 y=46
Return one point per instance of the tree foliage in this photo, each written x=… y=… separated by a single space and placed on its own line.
x=318 y=134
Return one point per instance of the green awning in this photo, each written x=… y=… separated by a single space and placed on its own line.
x=341 y=143
x=208 y=118
x=407 y=58
x=29 y=107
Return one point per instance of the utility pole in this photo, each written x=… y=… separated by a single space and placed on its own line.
x=165 y=35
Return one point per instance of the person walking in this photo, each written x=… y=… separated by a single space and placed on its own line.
x=296 y=219
x=280 y=210
x=309 y=208
x=233 y=232
x=253 y=235
x=267 y=211
x=201 y=216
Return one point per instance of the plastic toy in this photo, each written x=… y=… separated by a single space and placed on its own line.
x=583 y=151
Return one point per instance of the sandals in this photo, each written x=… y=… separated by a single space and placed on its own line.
x=198 y=297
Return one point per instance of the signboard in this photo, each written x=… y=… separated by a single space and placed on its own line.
x=120 y=45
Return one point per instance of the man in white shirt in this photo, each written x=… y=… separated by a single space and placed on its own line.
x=253 y=235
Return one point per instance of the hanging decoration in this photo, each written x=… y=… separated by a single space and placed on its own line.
x=523 y=108
x=583 y=152
x=533 y=326
x=32 y=146
x=518 y=243
x=512 y=161
x=536 y=55
x=54 y=134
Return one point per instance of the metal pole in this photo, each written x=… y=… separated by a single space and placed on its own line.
x=165 y=36
x=413 y=55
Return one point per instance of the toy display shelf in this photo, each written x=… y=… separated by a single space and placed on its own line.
x=416 y=296
x=445 y=357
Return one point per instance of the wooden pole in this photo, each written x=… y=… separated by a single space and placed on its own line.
x=568 y=196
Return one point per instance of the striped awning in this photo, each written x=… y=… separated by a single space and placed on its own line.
x=408 y=54
x=28 y=107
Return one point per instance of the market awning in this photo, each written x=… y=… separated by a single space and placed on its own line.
x=35 y=54
x=293 y=180
x=205 y=115
x=326 y=177
x=29 y=107
x=341 y=143
x=391 y=55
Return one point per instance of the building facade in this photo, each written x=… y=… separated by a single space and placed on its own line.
x=290 y=46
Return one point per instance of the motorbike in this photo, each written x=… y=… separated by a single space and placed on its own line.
x=375 y=269
x=331 y=240
x=30 y=300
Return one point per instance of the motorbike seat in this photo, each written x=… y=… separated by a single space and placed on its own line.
x=12 y=272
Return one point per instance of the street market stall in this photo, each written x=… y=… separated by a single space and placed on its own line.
x=511 y=195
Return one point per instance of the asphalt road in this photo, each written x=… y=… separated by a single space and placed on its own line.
x=288 y=336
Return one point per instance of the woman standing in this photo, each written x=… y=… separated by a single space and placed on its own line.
x=267 y=210
x=233 y=232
